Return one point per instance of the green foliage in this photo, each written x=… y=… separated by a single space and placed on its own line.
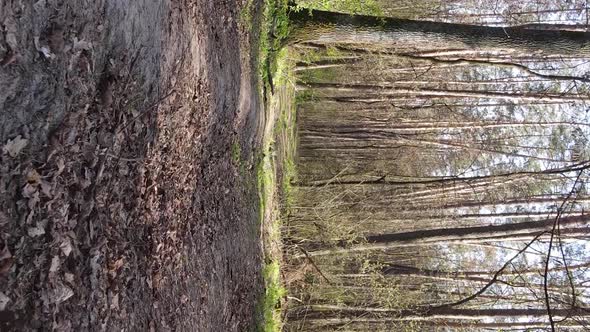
x=304 y=96
x=275 y=165
x=246 y=18
x=366 y=7
x=289 y=176
x=273 y=30
x=236 y=153
x=271 y=299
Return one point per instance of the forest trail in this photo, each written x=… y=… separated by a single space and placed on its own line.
x=127 y=175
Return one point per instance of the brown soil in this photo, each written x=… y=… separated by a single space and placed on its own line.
x=122 y=205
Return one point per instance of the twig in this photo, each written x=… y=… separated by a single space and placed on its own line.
x=314 y=265
x=546 y=273
x=494 y=278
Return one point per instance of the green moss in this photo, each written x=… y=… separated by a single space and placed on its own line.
x=272 y=298
x=246 y=12
x=304 y=96
x=274 y=173
x=275 y=71
x=365 y=7
x=274 y=29
x=236 y=153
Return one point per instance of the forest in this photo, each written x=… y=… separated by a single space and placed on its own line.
x=294 y=165
x=441 y=167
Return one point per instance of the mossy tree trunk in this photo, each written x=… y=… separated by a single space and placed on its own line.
x=330 y=27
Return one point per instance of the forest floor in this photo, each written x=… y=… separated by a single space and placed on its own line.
x=129 y=165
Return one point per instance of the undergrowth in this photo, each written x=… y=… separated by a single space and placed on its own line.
x=271 y=65
x=273 y=31
x=275 y=173
x=274 y=292
x=365 y=7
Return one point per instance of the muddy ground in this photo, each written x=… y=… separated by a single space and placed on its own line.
x=128 y=195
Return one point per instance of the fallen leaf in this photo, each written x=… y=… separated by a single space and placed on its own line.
x=86 y=182
x=46 y=189
x=35 y=231
x=33 y=177
x=5 y=261
x=8 y=59
x=5 y=253
x=61 y=165
x=66 y=247
x=60 y=294
x=3 y=219
x=14 y=146
x=5 y=265
x=55 y=263
x=115 y=267
x=3 y=301
x=81 y=44
x=115 y=302
x=118 y=263
x=29 y=190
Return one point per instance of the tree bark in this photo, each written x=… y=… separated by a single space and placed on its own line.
x=492 y=232
x=322 y=26
x=428 y=313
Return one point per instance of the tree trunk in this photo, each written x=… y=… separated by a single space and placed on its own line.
x=491 y=232
x=322 y=26
x=446 y=313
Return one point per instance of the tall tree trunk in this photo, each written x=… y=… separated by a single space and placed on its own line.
x=377 y=324
x=410 y=271
x=492 y=232
x=428 y=313
x=322 y=26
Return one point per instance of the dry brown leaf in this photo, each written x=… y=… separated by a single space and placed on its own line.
x=35 y=231
x=66 y=246
x=81 y=44
x=61 y=165
x=115 y=302
x=3 y=219
x=3 y=301
x=46 y=189
x=60 y=294
x=115 y=266
x=118 y=263
x=14 y=146
x=5 y=261
x=55 y=264
x=33 y=177
x=5 y=265
x=5 y=253
x=30 y=191
x=9 y=59
x=86 y=182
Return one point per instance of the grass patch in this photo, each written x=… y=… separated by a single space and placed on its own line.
x=246 y=18
x=277 y=151
x=273 y=294
x=269 y=312
x=365 y=7
x=274 y=70
x=274 y=29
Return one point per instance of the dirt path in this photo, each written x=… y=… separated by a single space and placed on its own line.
x=127 y=172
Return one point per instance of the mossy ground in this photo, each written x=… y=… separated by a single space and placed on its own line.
x=276 y=163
